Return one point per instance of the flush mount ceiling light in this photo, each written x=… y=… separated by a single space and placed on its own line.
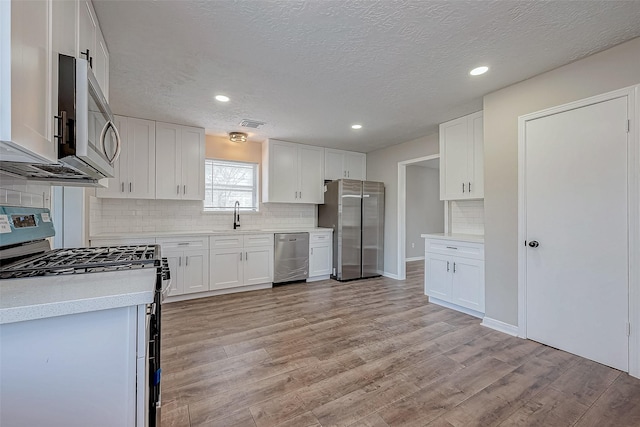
x=222 y=98
x=356 y=126
x=479 y=70
x=238 y=137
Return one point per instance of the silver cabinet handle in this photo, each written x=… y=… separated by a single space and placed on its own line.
x=246 y=256
x=62 y=125
x=130 y=187
x=179 y=261
x=469 y=187
x=301 y=194
x=452 y=247
x=311 y=251
x=177 y=189
x=447 y=266
x=184 y=189
x=344 y=174
x=186 y=261
x=454 y=267
x=240 y=256
x=183 y=244
x=348 y=174
x=463 y=187
x=122 y=186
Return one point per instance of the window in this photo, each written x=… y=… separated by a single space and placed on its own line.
x=227 y=181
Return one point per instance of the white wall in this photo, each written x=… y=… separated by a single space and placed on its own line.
x=382 y=166
x=609 y=70
x=425 y=210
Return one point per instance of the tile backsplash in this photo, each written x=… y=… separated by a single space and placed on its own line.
x=133 y=215
x=467 y=216
x=20 y=192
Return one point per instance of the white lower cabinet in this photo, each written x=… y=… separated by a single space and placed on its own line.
x=241 y=260
x=188 y=263
x=454 y=274
x=320 y=255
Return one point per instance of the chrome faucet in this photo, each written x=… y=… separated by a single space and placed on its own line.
x=236 y=215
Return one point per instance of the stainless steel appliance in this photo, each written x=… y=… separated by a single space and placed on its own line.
x=291 y=257
x=88 y=141
x=25 y=254
x=355 y=211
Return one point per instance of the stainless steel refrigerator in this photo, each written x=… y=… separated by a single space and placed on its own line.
x=355 y=211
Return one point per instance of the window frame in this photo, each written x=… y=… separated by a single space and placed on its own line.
x=256 y=187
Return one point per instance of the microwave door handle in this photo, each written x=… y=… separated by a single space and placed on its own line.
x=103 y=136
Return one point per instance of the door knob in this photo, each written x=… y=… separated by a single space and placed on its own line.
x=534 y=244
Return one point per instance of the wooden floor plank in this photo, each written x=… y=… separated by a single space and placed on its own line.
x=371 y=353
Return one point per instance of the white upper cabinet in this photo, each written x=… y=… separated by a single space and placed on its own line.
x=462 y=158
x=135 y=169
x=26 y=81
x=344 y=164
x=91 y=44
x=292 y=173
x=179 y=162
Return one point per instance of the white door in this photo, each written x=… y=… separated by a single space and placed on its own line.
x=319 y=261
x=333 y=165
x=257 y=266
x=196 y=272
x=226 y=268
x=311 y=168
x=168 y=161
x=437 y=276
x=467 y=283
x=355 y=165
x=283 y=173
x=576 y=210
x=192 y=163
x=455 y=153
x=141 y=140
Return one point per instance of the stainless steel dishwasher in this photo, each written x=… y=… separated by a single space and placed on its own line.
x=291 y=257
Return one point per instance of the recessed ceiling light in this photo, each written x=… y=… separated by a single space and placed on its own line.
x=222 y=98
x=356 y=126
x=479 y=70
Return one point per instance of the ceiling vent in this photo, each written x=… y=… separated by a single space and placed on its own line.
x=254 y=124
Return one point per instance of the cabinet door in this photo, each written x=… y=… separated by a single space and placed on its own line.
x=319 y=260
x=334 y=164
x=226 y=268
x=31 y=79
x=258 y=265
x=175 y=268
x=87 y=31
x=101 y=64
x=116 y=185
x=468 y=283
x=454 y=163
x=355 y=165
x=168 y=161
x=141 y=159
x=437 y=276
x=310 y=172
x=196 y=271
x=476 y=157
x=283 y=172
x=192 y=181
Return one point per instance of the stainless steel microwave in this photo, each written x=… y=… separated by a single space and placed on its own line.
x=87 y=138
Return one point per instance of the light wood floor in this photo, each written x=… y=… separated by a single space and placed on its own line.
x=371 y=353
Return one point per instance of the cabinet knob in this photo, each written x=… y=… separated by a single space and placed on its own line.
x=534 y=244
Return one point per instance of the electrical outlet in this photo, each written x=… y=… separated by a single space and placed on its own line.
x=413 y=245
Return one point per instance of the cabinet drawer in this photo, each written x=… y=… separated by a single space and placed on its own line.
x=226 y=241
x=455 y=248
x=187 y=242
x=254 y=240
x=320 y=237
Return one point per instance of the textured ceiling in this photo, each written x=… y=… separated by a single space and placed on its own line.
x=310 y=69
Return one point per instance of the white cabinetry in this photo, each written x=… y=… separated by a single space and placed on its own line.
x=292 y=173
x=91 y=44
x=26 y=81
x=454 y=274
x=241 y=260
x=135 y=169
x=344 y=164
x=462 y=158
x=188 y=259
x=320 y=255
x=179 y=162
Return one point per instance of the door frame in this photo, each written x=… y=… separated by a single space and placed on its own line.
x=402 y=212
x=633 y=222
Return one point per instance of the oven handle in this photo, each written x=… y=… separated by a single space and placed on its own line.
x=103 y=135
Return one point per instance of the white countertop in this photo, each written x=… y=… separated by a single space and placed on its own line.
x=472 y=238
x=135 y=235
x=38 y=297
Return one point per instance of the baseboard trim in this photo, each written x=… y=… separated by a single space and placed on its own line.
x=217 y=292
x=415 y=258
x=318 y=278
x=499 y=326
x=456 y=307
x=390 y=275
